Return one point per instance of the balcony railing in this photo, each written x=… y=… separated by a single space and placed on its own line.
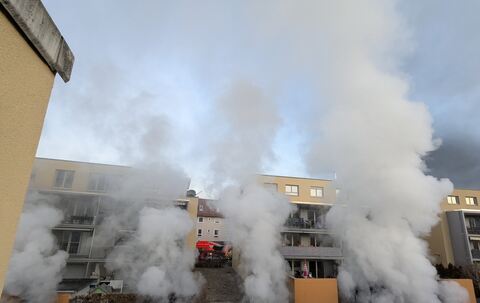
x=101 y=252
x=474 y=230
x=476 y=253
x=303 y=223
x=84 y=220
x=310 y=252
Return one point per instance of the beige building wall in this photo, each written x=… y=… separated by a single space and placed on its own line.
x=192 y=211
x=208 y=227
x=439 y=240
x=43 y=179
x=304 y=186
x=44 y=172
x=26 y=82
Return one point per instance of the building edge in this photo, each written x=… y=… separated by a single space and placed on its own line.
x=33 y=20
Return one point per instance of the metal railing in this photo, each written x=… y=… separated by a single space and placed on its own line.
x=303 y=223
x=474 y=230
x=84 y=220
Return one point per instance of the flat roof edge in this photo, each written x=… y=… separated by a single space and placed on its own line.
x=38 y=27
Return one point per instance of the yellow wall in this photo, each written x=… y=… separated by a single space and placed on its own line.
x=439 y=242
x=329 y=192
x=192 y=211
x=26 y=83
x=63 y=298
x=314 y=290
x=468 y=285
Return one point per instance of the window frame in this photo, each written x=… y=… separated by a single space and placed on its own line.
x=199 y=232
x=271 y=186
x=473 y=199
x=67 y=174
x=457 y=200
x=292 y=193
x=316 y=189
x=98 y=177
x=66 y=241
x=200 y=219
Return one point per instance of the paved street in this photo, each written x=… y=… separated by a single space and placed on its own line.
x=223 y=285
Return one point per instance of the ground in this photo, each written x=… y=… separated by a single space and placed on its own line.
x=223 y=285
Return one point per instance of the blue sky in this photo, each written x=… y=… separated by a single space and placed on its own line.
x=167 y=62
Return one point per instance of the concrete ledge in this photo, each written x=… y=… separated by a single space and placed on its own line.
x=37 y=25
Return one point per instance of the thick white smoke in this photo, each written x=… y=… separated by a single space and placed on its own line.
x=374 y=138
x=253 y=214
x=153 y=257
x=36 y=264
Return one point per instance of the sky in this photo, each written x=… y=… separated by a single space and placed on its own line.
x=158 y=67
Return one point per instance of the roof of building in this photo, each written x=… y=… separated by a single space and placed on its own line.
x=293 y=177
x=206 y=209
x=38 y=28
x=81 y=162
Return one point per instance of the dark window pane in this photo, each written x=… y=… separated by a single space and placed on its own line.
x=73 y=248
x=75 y=236
x=59 y=178
x=68 y=180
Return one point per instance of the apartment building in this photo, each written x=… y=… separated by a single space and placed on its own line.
x=210 y=222
x=456 y=238
x=305 y=239
x=86 y=193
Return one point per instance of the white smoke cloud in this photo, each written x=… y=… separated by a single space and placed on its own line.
x=374 y=138
x=36 y=264
x=154 y=259
x=254 y=215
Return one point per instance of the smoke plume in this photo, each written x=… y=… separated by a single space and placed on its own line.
x=375 y=138
x=155 y=260
x=152 y=256
x=254 y=215
x=36 y=264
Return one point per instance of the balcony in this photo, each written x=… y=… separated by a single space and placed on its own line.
x=301 y=223
x=474 y=230
x=476 y=253
x=311 y=252
x=80 y=220
x=101 y=252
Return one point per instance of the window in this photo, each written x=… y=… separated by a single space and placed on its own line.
x=271 y=186
x=316 y=191
x=217 y=221
x=471 y=200
x=216 y=232
x=452 y=200
x=200 y=219
x=64 y=178
x=70 y=241
x=200 y=207
x=97 y=182
x=291 y=190
x=199 y=232
x=79 y=210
